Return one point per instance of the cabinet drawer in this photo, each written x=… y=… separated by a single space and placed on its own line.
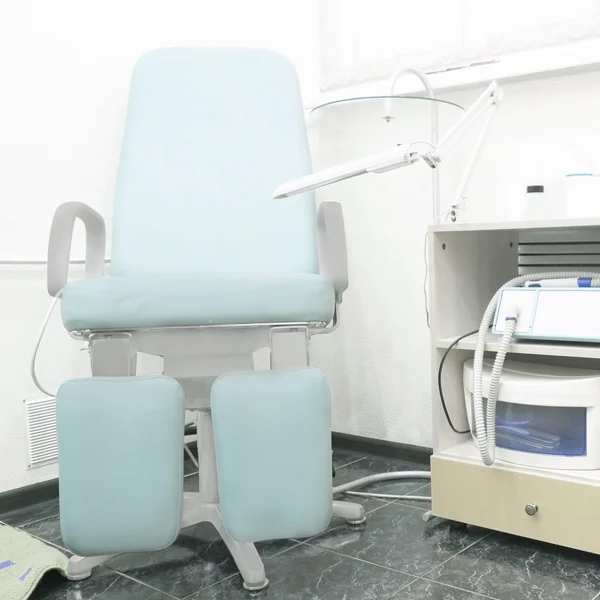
x=568 y=512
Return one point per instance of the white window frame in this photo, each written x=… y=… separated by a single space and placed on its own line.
x=545 y=60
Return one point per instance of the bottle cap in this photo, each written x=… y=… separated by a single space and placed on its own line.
x=535 y=189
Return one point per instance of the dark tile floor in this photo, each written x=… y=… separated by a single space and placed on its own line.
x=395 y=555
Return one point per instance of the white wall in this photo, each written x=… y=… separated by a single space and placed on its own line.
x=378 y=362
x=64 y=69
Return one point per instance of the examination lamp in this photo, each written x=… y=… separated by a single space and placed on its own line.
x=404 y=155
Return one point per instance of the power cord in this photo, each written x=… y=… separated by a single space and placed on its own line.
x=425 y=260
x=426 y=281
x=32 y=365
x=450 y=347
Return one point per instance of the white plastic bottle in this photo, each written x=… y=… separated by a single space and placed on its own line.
x=582 y=195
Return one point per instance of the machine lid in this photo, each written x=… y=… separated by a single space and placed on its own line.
x=516 y=371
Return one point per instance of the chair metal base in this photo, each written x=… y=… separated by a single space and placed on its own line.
x=252 y=588
x=352 y=512
x=244 y=554
x=289 y=348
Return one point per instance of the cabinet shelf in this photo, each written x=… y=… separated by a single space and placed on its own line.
x=539 y=348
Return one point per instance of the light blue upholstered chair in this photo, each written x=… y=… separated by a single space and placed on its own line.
x=206 y=270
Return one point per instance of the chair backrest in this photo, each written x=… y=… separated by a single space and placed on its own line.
x=209 y=134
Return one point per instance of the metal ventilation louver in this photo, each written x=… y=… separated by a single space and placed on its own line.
x=559 y=250
x=42 y=441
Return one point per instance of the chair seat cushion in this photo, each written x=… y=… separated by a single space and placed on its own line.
x=211 y=299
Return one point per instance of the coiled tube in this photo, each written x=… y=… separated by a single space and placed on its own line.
x=485 y=424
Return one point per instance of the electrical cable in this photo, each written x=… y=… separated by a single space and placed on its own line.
x=439 y=380
x=37 y=347
x=426 y=277
x=425 y=281
x=413 y=143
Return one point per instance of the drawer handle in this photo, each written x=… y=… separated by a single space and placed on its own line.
x=531 y=509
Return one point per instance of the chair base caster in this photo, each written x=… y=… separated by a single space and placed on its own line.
x=352 y=513
x=256 y=587
x=356 y=522
x=80 y=567
x=79 y=576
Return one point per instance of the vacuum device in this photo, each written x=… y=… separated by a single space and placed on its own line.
x=555 y=306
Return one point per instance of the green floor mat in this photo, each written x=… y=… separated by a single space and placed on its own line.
x=23 y=562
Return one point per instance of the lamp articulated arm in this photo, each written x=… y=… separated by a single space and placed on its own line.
x=404 y=155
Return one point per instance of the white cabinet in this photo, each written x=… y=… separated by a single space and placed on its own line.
x=468 y=263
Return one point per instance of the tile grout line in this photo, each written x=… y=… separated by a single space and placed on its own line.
x=295 y=544
x=424 y=575
x=454 y=587
x=345 y=497
x=41 y=539
x=384 y=504
x=420 y=488
x=416 y=577
x=362 y=560
x=126 y=576
x=391 y=596
x=315 y=537
x=211 y=586
x=35 y=522
x=352 y=462
x=387 y=501
x=142 y=583
x=312 y=543
x=237 y=574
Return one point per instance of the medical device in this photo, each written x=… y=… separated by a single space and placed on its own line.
x=546 y=415
x=537 y=311
x=552 y=313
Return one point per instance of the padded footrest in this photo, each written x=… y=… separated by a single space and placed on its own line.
x=120 y=447
x=273 y=445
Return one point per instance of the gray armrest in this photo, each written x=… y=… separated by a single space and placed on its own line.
x=331 y=240
x=61 y=235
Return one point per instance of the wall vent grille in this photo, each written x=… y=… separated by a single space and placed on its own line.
x=42 y=440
